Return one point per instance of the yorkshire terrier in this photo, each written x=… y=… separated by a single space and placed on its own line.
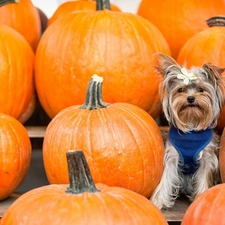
x=191 y=101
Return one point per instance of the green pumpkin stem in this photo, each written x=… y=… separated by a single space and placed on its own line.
x=79 y=174
x=94 y=94
x=216 y=21
x=103 y=4
x=4 y=2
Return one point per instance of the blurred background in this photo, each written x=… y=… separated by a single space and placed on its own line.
x=48 y=7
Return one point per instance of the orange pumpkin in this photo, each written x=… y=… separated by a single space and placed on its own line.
x=207 y=46
x=15 y=154
x=122 y=143
x=179 y=20
x=82 y=202
x=74 y=6
x=17 y=94
x=24 y=18
x=118 y=46
x=208 y=208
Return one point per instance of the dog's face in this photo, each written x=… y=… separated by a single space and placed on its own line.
x=192 y=99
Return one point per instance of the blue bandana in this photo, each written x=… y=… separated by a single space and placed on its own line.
x=189 y=145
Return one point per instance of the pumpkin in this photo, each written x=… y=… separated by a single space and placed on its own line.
x=179 y=20
x=82 y=202
x=118 y=46
x=73 y=6
x=207 y=46
x=17 y=94
x=15 y=154
x=122 y=143
x=24 y=18
x=208 y=208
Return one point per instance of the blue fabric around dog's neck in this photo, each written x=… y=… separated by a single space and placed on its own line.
x=189 y=145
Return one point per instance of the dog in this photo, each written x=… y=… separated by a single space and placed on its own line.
x=191 y=101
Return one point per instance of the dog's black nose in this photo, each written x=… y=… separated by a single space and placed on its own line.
x=190 y=99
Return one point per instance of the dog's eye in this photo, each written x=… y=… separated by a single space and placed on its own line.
x=200 y=89
x=180 y=90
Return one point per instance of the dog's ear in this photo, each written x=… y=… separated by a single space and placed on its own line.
x=215 y=76
x=165 y=64
x=213 y=71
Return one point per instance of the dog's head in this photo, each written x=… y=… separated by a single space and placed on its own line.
x=191 y=99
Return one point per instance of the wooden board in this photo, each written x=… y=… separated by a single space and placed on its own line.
x=4 y=204
x=36 y=131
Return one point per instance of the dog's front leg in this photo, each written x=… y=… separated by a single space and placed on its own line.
x=207 y=174
x=167 y=191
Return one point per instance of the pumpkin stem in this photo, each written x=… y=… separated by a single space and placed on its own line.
x=216 y=21
x=103 y=4
x=94 y=94
x=79 y=173
x=4 y=2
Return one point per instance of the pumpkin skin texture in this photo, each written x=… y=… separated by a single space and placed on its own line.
x=24 y=18
x=121 y=142
x=118 y=46
x=208 y=208
x=17 y=97
x=73 y=6
x=110 y=206
x=15 y=154
x=179 y=20
x=82 y=204
x=206 y=46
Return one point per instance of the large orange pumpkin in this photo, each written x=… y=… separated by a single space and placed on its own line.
x=207 y=46
x=179 y=20
x=122 y=143
x=24 y=18
x=82 y=203
x=208 y=208
x=74 y=6
x=118 y=46
x=17 y=94
x=15 y=154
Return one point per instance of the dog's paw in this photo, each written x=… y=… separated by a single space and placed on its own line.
x=161 y=202
x=158 y=203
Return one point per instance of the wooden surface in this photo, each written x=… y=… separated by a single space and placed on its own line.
x=4 y=204
x=174 y=214
x=36 y=131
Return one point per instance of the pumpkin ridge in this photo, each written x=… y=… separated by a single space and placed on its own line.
x=115 y=111
x=142 y=124
x=112 y=112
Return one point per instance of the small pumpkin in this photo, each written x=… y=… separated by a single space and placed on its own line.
x=15 y=154
x=74 y=6
x=82 y=202
x=24 y=18
x=208 y=208
x=122 y=143
x=207 y=46
x=180 y=20
x=116 y=45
